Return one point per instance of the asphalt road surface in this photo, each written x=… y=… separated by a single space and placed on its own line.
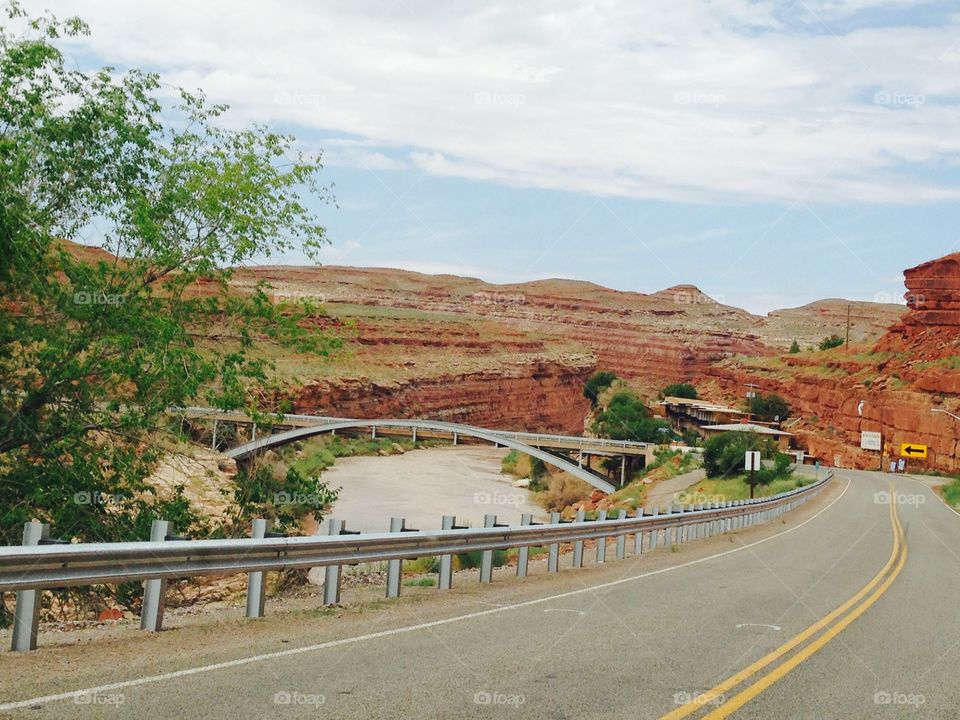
x=844 y=609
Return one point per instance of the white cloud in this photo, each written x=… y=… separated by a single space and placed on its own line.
x=668 y=99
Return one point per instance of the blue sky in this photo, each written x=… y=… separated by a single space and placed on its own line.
x=771 y=153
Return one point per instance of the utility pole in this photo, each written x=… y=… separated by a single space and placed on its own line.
x=847 y=349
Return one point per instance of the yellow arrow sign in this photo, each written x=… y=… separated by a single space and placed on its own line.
x=913 y=450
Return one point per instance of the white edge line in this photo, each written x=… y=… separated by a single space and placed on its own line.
x=394 y=631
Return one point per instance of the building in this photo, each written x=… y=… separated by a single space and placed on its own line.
x=782 y=437
x=685 y=413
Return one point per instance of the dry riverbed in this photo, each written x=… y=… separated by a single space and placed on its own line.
x=425 y=484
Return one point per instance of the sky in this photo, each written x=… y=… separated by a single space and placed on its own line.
x=771 y=153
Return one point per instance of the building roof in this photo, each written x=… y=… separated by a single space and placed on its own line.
x=700 y=405
x=747 y=427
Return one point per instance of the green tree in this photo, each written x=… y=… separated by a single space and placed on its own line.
x=794 y=348
x=680 y=390
x=769 y=408
x=94 y=351
x=596 y=384
x=724 y=454
x=834 y=341
x=626 y=418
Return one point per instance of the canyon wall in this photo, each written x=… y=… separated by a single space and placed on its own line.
x=543 y=396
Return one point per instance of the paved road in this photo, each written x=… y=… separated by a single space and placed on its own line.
x=665 y=493
x=630 y=639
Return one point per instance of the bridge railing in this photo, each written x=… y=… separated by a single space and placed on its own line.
x=36 y=566
x=534 y=438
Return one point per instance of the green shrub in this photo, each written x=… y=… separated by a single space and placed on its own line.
x=723 y=454
x=680 y=390
x=597 y=383
x=834 y=341
x=627 y=418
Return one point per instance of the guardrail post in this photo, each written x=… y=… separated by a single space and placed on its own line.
x=578 y=545
x=638 y=536
x=523 y=553
x=669 y=531
x=655 y=534
x=331 y=574
x=395 y=567
x=622 y=539
x=486 y=559
x=256 y=589
x=456 y=437
x=601 y=541
x=154 y=591
x=26 y=615
x=553 y=552
x=446 y=561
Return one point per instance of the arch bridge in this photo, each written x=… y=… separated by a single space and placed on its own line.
x=547 y=447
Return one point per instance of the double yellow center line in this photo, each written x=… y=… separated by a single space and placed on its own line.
x=834 y=623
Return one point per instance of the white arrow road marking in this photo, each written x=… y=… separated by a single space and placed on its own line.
x=772 y=627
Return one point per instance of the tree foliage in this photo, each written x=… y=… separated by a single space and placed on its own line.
x=626 y=418
x=834 y=341
x=96 y=344
x=680 y=390
x=724 y=454
x=769 y=408
x=794 y=348
x=596 y=384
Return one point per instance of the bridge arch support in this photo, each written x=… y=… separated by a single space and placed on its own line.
x=244 y=451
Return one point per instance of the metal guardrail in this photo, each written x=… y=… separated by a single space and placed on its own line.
x=36 y=566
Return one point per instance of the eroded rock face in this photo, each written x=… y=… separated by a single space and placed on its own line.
x=540 y=397
x=933 y=295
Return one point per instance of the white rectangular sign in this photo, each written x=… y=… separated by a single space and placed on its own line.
x=752 y=460
x=871 y=441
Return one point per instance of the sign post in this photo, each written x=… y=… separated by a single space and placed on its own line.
x=752 y=463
